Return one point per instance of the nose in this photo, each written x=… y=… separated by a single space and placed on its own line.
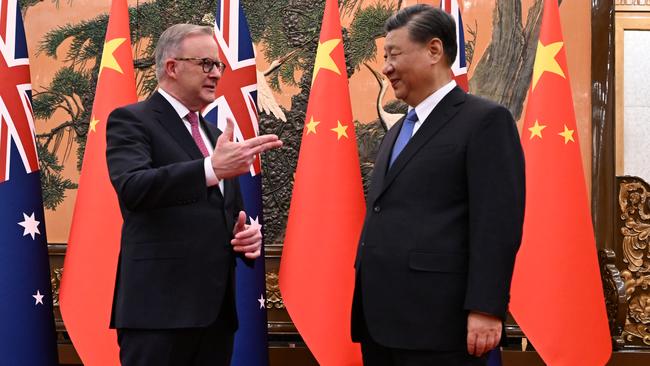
x=387 y=69
x=215 y=73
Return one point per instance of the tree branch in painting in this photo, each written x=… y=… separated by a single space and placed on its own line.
x=504 y=72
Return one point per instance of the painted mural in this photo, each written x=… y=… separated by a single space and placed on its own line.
x=65 y=41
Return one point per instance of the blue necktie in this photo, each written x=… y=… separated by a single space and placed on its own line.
x=404 y=135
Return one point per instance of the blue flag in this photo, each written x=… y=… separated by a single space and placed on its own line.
x=236 y=99
x=27 y=334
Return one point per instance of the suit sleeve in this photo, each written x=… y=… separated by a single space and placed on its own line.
x=496 y=189
x=139 y=184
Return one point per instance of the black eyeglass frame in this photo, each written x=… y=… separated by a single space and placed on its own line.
x=206 y=63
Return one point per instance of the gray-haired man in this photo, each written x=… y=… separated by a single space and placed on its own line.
x=183 y=220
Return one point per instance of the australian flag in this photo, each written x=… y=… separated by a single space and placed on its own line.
x=459 y=68
x=27 y=334
x=236 y=98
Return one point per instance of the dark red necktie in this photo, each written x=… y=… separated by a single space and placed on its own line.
x=196 y=134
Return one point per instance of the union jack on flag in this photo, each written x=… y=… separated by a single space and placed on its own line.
x=27 y=334
x=237 y=89
x=16 y=123
x=236 y=99
x=459 y=68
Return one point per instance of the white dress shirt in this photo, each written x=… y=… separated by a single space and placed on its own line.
x=424 y=109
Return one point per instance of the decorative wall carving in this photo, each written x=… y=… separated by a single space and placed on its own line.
x=615 y=299
x=634 y=199
x=273 y=295
x=55 y=278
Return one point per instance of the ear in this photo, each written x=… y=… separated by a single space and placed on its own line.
x=171 y=68
x=436 y=50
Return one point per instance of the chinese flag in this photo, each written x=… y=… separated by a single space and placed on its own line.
x=327 y=210
x=90 y=266
x=557 y=296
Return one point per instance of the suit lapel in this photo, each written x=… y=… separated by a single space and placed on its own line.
x=437 y=119
x=166 y=115
x=381 y=162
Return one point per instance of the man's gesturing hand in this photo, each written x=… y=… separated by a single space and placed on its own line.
x=248 y=238
x=231 y=159
x=483 y=333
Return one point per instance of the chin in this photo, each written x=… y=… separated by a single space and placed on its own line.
x=399 y=93
x=400 y=96
x=208 y=98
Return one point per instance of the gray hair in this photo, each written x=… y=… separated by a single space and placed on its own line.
x=170 y=41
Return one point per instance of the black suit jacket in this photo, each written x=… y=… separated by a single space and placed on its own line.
x=442 y=228
x=176 y=263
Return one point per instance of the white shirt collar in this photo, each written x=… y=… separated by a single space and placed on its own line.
x=427 y=105
x=176 y=104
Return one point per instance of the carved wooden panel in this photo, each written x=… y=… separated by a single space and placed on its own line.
x=615 y=298
x=633 y=248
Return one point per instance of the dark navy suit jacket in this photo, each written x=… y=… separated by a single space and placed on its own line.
x=176 y=264
x=442 y=227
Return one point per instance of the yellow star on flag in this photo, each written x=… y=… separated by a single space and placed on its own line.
x=536 y=130
x=311 y=126
x=567 y=134
x=93 y=124
x=108 y=59
x=545 y=61
x=340 y=130
x=324 y=58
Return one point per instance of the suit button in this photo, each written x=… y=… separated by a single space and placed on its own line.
x=376 y=209
x=363 y=243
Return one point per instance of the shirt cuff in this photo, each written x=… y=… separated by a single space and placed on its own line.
x=210 y=177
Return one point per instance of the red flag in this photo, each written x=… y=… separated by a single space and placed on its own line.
x=327 y=210
x=557 y=296
x=90 y=264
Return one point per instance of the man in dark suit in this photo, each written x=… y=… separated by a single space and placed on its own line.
x=183 y=221
x=444 y=210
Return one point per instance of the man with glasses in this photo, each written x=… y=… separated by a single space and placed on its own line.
x=206 y=63
x=175 y=178
x=445 y=210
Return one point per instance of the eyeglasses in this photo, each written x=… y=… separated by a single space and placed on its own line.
x=207 y=63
